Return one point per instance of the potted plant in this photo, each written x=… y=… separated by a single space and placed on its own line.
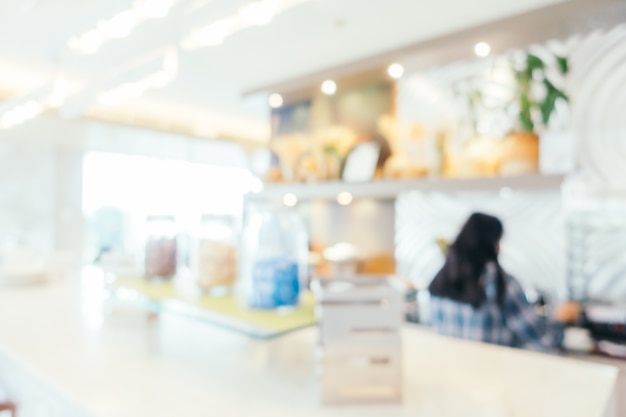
x=536 y=98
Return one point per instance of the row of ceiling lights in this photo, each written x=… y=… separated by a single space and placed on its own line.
x=329 y=87
x=121 y=25
x=259 y=12
x=153 y=73
x=345 y=198
x=395 y=71
x=254 y=13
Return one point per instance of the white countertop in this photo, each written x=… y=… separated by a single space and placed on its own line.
x=129 y=366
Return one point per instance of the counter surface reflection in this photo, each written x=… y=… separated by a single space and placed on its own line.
x=53 y=349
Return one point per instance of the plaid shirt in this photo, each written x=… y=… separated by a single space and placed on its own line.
x=514 y=324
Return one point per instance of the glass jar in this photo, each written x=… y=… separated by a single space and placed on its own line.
x=161 y=249
x=214 y=254
x=274 y=255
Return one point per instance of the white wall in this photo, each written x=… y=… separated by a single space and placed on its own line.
x=27 y=197
x=41 y=165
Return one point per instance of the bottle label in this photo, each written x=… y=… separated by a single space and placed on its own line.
x=275 y=284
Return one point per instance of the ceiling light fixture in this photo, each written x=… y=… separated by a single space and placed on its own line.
x=275 y=101
x=31 y=105
x=395 y=71
x=88 y=43
x=160 y=77
x=290 y=200
x=121 y=25
x=153 y=9
x=211 y=35
x=258 y=12
x=344 y=198
x=255 y=13
x=20 y=114
x=148 y=73
x=329 y=87
x=482 y=49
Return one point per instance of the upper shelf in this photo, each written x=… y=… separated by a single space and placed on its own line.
x=389 y=189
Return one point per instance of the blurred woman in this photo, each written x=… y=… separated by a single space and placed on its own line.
x=473 y=298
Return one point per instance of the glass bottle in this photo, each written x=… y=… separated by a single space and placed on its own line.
x=214 y=254
x=274 y=253
x=161 y=249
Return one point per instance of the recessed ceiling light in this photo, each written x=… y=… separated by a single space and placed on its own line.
x=344 y=198
x=290 y=200
x=275 y=101
x=329 y=87
x=482 y=49
x=395 y=71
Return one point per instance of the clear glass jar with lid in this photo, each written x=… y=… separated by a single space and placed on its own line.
x=161 y=248
x=214 y=254
x=274 y=255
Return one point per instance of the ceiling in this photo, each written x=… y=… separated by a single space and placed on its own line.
x=303 y=41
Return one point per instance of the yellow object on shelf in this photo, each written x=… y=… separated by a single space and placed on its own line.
x=382 y=264
x=223 y=311
x=520 y=154
x=515 y=155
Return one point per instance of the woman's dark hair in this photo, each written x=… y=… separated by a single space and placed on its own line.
x=475 y=246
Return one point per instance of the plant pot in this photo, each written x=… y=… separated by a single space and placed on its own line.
x=520 y=154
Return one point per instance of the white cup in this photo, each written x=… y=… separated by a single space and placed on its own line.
x=578 y=339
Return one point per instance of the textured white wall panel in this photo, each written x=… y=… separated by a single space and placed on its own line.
x=533 y=249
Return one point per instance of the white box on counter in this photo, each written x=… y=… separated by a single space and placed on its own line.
x=359 y=355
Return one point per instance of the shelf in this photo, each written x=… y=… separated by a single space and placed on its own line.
x=225 y=312
x=389 y=189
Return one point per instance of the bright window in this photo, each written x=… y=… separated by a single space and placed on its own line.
x=120 y=190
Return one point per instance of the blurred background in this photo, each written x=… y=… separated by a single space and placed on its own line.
x=115 y=111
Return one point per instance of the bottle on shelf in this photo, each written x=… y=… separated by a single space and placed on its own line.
x=274 y=254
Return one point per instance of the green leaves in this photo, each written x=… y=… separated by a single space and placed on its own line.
x=536 y=68
x=549 y=103
x=525 y=117
x=533 y=63
x=563 y=64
